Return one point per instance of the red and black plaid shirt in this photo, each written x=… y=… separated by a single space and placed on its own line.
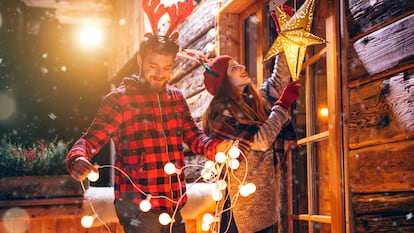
x=148 y=130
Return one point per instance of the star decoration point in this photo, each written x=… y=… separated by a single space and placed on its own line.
x=295 y=35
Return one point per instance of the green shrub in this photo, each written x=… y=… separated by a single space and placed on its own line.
x=40 y=159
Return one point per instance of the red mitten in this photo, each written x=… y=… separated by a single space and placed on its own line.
x=289 y=94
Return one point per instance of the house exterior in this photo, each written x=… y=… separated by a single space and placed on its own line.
x=352 y=170
x=352 y=167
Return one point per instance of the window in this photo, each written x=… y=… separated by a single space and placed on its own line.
x=315 y=166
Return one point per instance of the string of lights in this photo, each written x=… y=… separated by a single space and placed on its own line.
x=220 y=172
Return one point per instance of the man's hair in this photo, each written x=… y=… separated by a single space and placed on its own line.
x=158 y=44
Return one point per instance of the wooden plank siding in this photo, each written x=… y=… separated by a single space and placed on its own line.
x=50 y=219
x=380 y=112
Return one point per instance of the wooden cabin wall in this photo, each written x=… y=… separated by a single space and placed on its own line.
x=380 y=124
x=128 y=31
x=188 y=76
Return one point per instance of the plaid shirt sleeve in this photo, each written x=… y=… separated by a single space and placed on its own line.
x=102 y=128
x=195 y=138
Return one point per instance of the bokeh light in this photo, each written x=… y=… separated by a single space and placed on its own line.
x=8 y=106
x=90 y=36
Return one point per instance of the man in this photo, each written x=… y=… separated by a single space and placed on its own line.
x=148 y=121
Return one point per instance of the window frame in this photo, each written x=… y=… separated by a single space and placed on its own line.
x=239 y=11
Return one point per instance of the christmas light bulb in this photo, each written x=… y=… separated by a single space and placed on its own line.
x=169 y=168
x=220 y=157
x=217 y=195
x=145 y=205
x=244 y=191
x=210 y=47
x=221 y=185
x=215 y=11
x=251 y=188
x=87 y=221
x=205 y=173
x=208 y=218
x=212 y=32
x=234 y=164
x=164 y=219
x=205 y=226
x=209 y=164
x=234 y=152
x=93 y=176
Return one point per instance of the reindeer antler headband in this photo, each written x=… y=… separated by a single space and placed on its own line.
x=178 y=11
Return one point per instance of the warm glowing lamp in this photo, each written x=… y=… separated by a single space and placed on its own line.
x=164 y=219
x=323 y=112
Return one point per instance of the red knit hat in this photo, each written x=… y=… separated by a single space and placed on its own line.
x=215 y=71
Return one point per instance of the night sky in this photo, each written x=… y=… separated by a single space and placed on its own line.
x=50 y=86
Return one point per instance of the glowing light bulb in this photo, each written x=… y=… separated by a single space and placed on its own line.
x=234 y=164
x=251 y=188
x=164 y=219
x=212 y=32
x=244 y=191
x=234 y=152
x=208 y=218
x=87 y=221
x=324 y=112
x=205 y=173
x=169 y=168
x=210 y=47
x=93 y=176
x=215 y=11
x=220 y=157
x=217 y=195
x=205 y=226
x=145 y=205
x=221 y=185
x=209 y=164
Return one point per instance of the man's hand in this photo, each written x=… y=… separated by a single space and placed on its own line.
x=80 y=168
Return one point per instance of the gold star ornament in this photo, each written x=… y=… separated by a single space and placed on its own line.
x=295 y=35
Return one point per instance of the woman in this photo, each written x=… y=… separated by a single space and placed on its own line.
x=238 y=112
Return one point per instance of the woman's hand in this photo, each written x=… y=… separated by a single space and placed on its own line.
x=289 y=94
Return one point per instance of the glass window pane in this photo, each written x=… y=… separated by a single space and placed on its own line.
x=250 y=41
x=320 y=179
x=299 y=112
x=299 y=179
x=318 y=85
x=319 y=227
x=300 y=226
x=318 y=29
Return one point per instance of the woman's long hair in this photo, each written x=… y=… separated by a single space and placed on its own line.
x=248 y=108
